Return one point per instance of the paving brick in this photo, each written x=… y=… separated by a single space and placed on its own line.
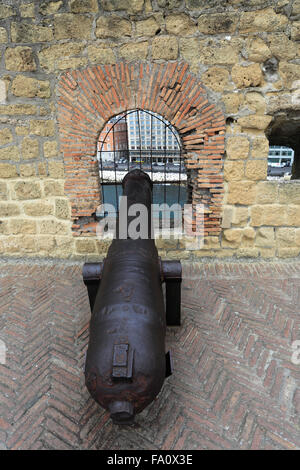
x=228 y=391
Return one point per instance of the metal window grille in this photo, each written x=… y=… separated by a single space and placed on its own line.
x=142 y=139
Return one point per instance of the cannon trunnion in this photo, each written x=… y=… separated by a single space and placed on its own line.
x=126 y=363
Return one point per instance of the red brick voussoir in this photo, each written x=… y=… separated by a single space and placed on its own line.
x=90 y=97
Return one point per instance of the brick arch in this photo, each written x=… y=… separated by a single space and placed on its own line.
x=89 y=98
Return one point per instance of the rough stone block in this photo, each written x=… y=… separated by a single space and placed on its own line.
x=165 y=47
x=256 y=169
x=5 y=136
x=262 y=20
x=30 y=87
x=7 y=170
x=20 y=59
x=72 y=26
x=237 y=148
x=30 y=148
x=241 y=192
x=134 y=51
x=113 y=26
x=42 y=128
x=246 y=76
x=27 y=190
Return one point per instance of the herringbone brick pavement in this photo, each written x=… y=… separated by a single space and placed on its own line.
x=234 y=385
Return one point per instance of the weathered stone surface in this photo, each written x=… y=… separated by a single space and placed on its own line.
x=289 y=252
x=38 y=209
x=134 y=51
x=267 y=192
x=53 y=188
x=62 y=208
x=18 y=109
x=164 y=47
x=148 y=27
x=212 y=52
x=281 y=101
x=3 y=36
x=256 y=169
x=240 y=215
x=101 y=54
x=56 y=169
x=10 y=153
x=241 y=192
x=42 y=128
x=265 y=237
x=21 y=130
x=216 y=78
x=27 y=190
x=201 y=4
x=170 y=4
x=50 y=149
x=232 y=102
x=54 y=227
x=30 y=148
x=237 y=148
x=3 y=191
x=269 y=214
x=22 y=226
x=292 y=213
x=234 y=170
x=85 y=246
x=5 y=136
x=256 y=102
x=50 y=55
x=296 y=7
x=217 y=23
x=8 y=209
x=189 y=50
x=254 y=121
x=112 y=26
x=72 y=26
x=248 y=76
x=7 y=170
x=45 y=244
x=42 y=169
x=262 y=20
x=286 y=236
x=6 y=11
x=131 y=6
x=26 y=32
x=227 y=216
x=233 y=235
x=289 y=73
x=297 y=237
x=27 y=170
x=30 y=87
x=27 y=10
x=295 y=32
x=257 y=50
x=282 y=47
x=71 y=63
x=180 y=24
x=289 y=192
x=84 y=6
x=249 y=233
x=50 y=8
x=20 y=59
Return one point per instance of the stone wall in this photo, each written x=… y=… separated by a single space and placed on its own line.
x=245 y=55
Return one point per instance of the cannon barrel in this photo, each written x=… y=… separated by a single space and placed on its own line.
x=126 y=361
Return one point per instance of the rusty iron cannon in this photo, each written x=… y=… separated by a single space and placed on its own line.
x=126 y=362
